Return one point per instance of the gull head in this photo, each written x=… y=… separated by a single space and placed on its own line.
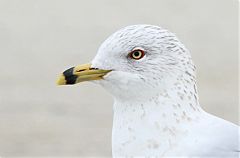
x=137 y=61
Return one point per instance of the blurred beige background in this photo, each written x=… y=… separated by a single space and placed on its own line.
x=40 y=38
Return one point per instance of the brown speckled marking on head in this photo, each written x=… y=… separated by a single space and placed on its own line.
x=150 y=99
x=130 y=129
x=185 y=91
x=196 y=99
x=183 y=115
x=174 y=106
x=126 y=142
x=169 y=130
x=173 y=133
x=187 y=81
x=165 y=129
x=191 y=105
x=174 y=128
x=180 y=95
x=125 y=108
x=177 y=120
x=144 y=112
x=164 y=115
x=179 y=105
x=176 y=84
x=156 y=101
x=164 y=94
x=153 y=144
x=134 y=138
x=195 y=88
x=189 y=119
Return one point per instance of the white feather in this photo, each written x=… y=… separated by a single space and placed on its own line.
x=156 y=109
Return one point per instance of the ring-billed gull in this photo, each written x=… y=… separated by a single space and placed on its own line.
x=152 y=78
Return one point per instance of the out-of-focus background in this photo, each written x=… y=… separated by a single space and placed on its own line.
x=40 y=38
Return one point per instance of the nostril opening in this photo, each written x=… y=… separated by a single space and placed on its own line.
x=81 y=70
x=86 y=69
x=92 y=68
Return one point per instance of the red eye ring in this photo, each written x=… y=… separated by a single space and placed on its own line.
x=136 y=54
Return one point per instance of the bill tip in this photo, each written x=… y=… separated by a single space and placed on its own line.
x=61 y=80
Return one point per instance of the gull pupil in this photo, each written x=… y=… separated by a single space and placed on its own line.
x=136 y=54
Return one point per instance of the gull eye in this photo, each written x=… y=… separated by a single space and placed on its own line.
x=136 y=54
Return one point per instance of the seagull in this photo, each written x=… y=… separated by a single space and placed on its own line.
x=152 y=79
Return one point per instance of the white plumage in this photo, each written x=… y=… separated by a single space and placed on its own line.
x=156 y=108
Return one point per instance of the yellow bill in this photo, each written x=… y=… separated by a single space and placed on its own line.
x=80 y=73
